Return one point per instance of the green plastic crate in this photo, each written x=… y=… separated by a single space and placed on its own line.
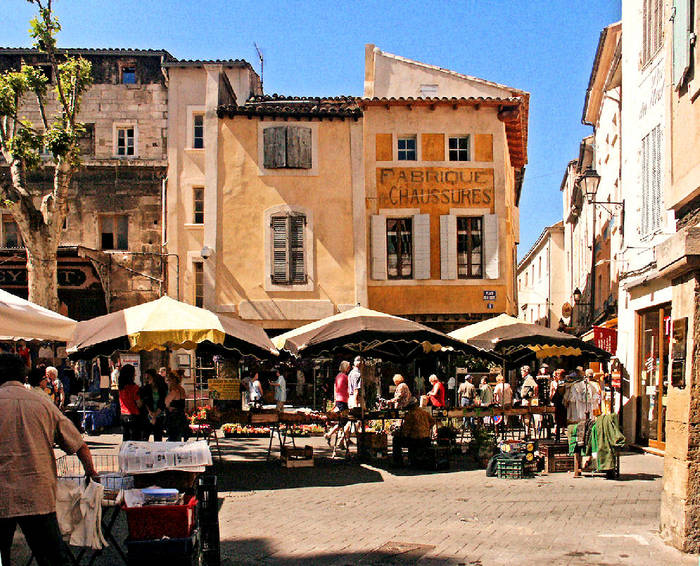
x=510 y=469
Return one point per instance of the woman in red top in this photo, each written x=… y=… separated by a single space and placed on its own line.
x=129 y=403
x=341 y=398
x=436 y=396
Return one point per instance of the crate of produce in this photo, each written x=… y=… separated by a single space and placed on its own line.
x=173 y=551
x=156 y=521
x=297 y=457
x=548 y=449
x=510 y=469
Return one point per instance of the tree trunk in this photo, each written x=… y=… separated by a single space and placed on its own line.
x=42 y=276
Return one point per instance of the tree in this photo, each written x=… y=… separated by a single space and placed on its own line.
x=40 y=213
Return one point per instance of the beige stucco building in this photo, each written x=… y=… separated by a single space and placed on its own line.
x=444 y=155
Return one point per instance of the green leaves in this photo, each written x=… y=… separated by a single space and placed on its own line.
x=43 y=29
x=13 y=85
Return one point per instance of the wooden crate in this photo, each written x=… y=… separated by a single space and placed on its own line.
x=297 y=457
x=560 y=463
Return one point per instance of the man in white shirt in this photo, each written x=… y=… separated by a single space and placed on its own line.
x=451 y=387
x=280 y=386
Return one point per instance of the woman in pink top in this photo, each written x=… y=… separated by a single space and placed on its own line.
x=341 y=401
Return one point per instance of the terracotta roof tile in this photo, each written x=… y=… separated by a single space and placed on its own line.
x=295 y=106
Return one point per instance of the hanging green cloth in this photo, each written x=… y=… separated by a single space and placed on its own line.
x=610 y=439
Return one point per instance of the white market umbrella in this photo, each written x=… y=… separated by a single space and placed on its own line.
x=22 y=320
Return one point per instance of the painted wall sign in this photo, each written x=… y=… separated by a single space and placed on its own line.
x=489 y=295
x=68 y=277
x=225 y=389
x=444 y=187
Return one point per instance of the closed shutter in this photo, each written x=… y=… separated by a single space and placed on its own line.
x=274 y=147
x=448 y=246
x=491 y=246
x=682 y=37
x=298 y=147
x=297 y=269
x=378 y=240
x=656 y=195
x=280 y=262
x=421 y=246
x=646 y=190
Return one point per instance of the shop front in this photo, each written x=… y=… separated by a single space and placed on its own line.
x=653 y=340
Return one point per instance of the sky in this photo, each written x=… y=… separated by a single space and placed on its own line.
x=311 y=48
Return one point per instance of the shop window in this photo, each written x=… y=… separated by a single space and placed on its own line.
x=198 y=268
x=198 y=205
x=198 y=131
x=287 y=147
x=407 y=148
x=470 y=247
x=288 y=249
x=399 y=248
x=11 y=237
x=459 y=148
x=128 y=75
x=125 y=142
x=114 y=232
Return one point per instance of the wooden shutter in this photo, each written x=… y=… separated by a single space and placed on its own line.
x=656 y=194
x=275 y=147
x=421 y=246
x=298 y=147
x=490 y=246
x=378 y=239
x=280 y=260
x=297 y=270
x=645 y=184
x=682 y=34
x=448 y=246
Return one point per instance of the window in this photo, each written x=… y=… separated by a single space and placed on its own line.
x=651 y=181
x=539 y=268
x=198 y=284
x=86 y=140
x=198 y=131
x=126 y=141
x=287 y=147
x=459 y=148
x=129 y=75
x=407 y=148
x=469 y=247
x=288 y=257
x=652 y=33
x=399 y=248
x=526 y=279
x=198 y=205
x=114 y=232
x=11 y=238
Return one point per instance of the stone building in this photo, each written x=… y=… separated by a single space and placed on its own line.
x=444 y=158
x=541 y=291
x=110 y=256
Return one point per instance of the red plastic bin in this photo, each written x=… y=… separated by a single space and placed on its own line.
x=156 y=521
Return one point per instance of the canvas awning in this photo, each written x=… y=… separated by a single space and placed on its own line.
x=20 y=319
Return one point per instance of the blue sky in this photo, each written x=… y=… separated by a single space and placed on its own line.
x=317 y=48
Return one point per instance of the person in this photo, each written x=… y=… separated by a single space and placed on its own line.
x=502 y=393
x=419 y=384
x=543 y=379
x=557 y=398
x=24 y=353
x=256 y=390
x=340 y=396
x=29 y=425
x=466 y=392
x=355 y=396
x=177 y=426
x=402 y=394
x=163 y=372
x=414 y=434
x=152 y=395
x=38 y=381
x=530 y=398
x=59 y=396
x=129 y=402
x=485 y=392
x=557 y=378
x=436 y=396
x=451 y=386
x=280 y=385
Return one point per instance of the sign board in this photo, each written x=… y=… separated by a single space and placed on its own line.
x=489 y=306
x=489 y=295
x=616 y=379
x=225 y=389
x=605 y=338
x=678 y=352
x=566 y=310
x=134 y=360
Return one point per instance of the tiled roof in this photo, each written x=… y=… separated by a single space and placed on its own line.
x=200 y=62
x=91 y=51
x=295 y=106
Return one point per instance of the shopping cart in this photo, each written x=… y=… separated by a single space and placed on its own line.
x=69 y=468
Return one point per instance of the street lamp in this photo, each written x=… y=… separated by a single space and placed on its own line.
x=589 y=182
x=577 y=296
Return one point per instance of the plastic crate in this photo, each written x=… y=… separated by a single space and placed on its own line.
x=207 y=498
x=156 y=521
x=510 y=469
x=173 y=551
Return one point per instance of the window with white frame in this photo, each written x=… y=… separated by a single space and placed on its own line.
x=407 y=148
x=458 y=148
x=114 y=232
x=125 y=142
x=651 y=180
x=288 y=261
x=198 y=205
x=470 y=239
x=287 y=147
x=399 y=248
x=198 y=131
x=198 y=269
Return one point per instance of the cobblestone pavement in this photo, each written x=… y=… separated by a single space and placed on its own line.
x=341 y=513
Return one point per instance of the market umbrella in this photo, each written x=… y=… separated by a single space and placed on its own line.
x=166 y=323
x=364 y=331
x=514 y=339
x=20 y=319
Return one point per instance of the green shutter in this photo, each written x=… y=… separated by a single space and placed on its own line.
x=682 y=36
